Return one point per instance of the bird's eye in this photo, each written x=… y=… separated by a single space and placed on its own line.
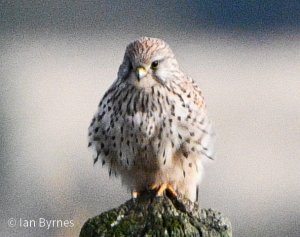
x=154 y=64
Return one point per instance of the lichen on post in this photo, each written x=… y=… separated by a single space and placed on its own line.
x=148 y=215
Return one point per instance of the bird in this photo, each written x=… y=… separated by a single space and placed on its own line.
x=151 y=126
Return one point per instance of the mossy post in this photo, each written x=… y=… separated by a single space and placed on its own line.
x=158 y=216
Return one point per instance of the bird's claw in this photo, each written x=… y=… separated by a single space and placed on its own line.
x=160 y=189
x=135 y=194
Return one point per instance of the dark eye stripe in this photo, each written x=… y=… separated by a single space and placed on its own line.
x=130 y=66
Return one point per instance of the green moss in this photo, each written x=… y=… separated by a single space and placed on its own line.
x=158 y=216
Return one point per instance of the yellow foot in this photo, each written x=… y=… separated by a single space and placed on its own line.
x=164 y=187
x=135 y=194
x=154 y=186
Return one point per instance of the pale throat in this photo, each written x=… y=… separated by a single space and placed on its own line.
x=146 y=82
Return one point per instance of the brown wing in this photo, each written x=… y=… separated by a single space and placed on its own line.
x=193 y=92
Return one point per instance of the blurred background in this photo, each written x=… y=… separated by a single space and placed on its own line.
x=57 y=58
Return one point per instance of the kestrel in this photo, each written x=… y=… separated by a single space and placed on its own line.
x=151 y=127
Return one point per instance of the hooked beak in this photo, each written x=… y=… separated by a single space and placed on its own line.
x=140 y=72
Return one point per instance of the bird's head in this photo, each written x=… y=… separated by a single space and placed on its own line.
x=148 y=61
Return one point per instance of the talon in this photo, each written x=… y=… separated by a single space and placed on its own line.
x=161 y=190
x=166 y=187
x=171 y=190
